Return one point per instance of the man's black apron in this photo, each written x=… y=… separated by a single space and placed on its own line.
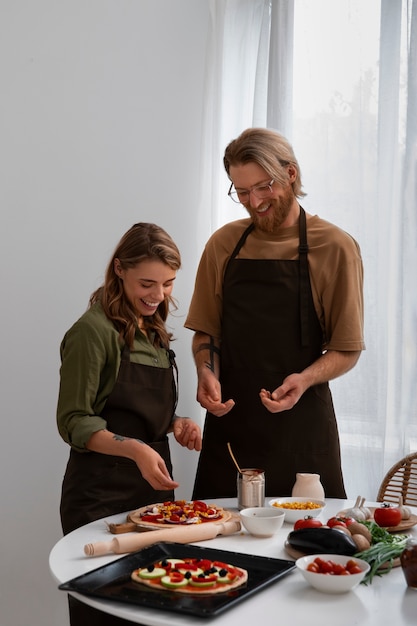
x=141 y=405
x=270 y=330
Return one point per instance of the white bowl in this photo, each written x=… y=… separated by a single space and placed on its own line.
x=292 y=514
x=329 y=583
x=262 y=521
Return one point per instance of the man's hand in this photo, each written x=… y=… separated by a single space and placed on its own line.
x=209 y=394
x=327 y=367
x=284 y=397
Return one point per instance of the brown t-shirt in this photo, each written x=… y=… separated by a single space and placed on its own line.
x=336 y=276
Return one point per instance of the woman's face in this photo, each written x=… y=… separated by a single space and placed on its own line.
x=147 y=284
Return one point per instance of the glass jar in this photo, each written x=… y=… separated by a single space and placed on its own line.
x=409 y=562
x=250 y=488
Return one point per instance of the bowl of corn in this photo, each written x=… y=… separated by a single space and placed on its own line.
x=297 y=508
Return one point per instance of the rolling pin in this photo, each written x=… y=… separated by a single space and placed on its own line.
x=179 y=534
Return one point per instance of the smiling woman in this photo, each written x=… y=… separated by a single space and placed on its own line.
x=146 y=285
x=118 y=391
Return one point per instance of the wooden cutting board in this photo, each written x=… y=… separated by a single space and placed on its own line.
x=405 y=524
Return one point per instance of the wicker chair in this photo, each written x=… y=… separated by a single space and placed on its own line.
x=400 y=480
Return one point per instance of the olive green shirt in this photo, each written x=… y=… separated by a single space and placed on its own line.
x=90 y=360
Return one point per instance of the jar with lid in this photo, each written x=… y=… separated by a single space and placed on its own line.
x=409 y=562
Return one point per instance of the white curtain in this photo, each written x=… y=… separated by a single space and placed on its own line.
x=344 y=91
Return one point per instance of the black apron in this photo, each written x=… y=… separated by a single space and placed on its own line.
x=270 y=329
x=141 y=406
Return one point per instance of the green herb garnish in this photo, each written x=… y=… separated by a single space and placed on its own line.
x=385 y=548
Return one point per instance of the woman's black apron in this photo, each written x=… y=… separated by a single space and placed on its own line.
x=270 y=329
x=141 y=406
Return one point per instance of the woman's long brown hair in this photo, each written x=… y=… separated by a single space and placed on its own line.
x=143 y=241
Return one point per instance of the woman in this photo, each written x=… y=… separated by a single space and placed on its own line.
x=118 y=392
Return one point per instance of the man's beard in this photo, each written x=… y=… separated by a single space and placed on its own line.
x=280 y=211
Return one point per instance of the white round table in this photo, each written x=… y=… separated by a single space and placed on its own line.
x=387 y=601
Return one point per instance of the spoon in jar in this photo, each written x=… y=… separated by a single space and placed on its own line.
x=233 y=457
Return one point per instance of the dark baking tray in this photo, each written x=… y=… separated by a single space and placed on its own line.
x=112 y=581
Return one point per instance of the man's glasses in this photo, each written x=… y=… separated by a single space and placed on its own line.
x=261 y=191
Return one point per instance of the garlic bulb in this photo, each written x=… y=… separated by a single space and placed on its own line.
x=405 y=511
x=365 y=509
x=356 y=512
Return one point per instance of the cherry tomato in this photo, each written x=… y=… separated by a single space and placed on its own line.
x=352 y=567
x=307 y=522
x=320 y=566
x=211 y=578
x=336 y=521
x=200 y=506
x=204 y=564
x=313 y=567
x=190 y=567
x=387 y=515
x=176 y=577
x=152 y=517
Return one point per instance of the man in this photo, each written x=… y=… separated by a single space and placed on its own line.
x=277 y=312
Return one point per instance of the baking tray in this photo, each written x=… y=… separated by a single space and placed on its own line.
x=112 y=581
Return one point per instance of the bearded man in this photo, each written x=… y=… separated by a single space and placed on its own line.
x=277 y=312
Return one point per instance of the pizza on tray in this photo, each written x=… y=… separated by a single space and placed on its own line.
x=190 y=575
x=178 y=512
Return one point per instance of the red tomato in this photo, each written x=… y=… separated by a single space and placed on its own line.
x=152 y=517
x=200 y=506
x=190 y=567
x=313 y=567
x=307 y=522
x=336 y=521
x=204 y=564
x=387 y=515
x=176 y=577
x=211 y=578
x=320 y=566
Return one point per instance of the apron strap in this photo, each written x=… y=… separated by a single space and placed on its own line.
x=171 y=356
x=304 y=280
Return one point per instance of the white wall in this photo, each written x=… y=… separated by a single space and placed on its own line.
x=100 y=119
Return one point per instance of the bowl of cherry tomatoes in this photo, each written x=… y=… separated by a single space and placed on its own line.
x=332 y=573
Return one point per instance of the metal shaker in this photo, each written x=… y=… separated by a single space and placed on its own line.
x=250 y=488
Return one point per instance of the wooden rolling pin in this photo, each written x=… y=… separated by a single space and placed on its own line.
x=179 y=534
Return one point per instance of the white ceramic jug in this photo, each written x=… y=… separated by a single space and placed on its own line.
x=308 y=486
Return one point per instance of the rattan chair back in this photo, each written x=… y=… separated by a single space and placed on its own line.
x=400 y=480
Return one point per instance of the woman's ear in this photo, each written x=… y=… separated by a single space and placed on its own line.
x=118 y=268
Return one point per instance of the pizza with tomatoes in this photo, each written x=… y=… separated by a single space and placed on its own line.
x=191 y=575
x=178 y=512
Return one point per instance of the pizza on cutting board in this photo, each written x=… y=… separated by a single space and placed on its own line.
x=180 y=512
x=191 y=575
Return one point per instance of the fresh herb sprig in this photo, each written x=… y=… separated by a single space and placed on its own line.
x=385 y=548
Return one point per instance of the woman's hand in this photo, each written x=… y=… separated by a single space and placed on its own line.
x=150 y=464
x=187 y=433
x=153 y=469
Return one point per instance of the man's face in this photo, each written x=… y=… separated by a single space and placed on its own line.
x=279 y=209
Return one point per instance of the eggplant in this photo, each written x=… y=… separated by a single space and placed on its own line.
x=322 y=540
